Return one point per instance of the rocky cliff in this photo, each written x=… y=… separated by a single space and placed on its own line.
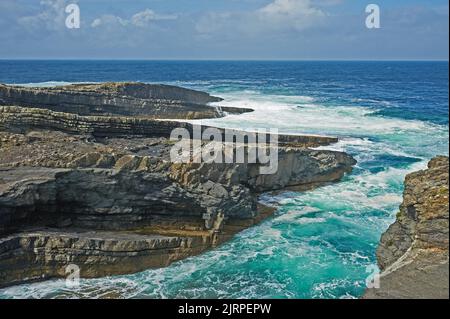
x=24 y=119
x=101 y=191
x=414 y=252
x=126 y=99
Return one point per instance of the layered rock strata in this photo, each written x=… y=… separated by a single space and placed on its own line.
x=414 y=252
x=101 y=192
x=126 y=99
x=21 y=120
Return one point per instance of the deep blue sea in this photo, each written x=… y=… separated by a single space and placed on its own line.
x=391 y=116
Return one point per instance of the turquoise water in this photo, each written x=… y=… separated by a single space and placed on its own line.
x=391 y=116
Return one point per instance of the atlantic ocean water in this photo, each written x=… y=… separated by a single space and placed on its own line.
x=391 y=116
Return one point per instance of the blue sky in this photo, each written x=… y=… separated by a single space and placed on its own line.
x=224 y=29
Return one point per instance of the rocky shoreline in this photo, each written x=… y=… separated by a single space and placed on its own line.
x=414 y=252
x=86 y=179
x=125 y=99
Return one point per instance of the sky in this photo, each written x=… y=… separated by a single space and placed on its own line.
x=225 y=30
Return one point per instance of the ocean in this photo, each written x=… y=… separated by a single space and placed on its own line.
x=391 y=116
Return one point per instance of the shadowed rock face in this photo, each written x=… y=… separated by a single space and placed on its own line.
x=126 y=99
x=414 y=251
x=104 y=185
x=38 y=255
x=101 y=192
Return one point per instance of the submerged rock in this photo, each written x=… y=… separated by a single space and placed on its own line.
x=414 y=252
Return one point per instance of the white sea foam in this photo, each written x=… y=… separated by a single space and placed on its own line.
x=363 y=203
x=297 y=114
x=293 y=216
x=307 y=220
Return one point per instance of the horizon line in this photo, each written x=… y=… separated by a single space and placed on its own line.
x=225 y=60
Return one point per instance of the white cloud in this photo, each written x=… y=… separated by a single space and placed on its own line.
x=297 y=14
x=52 y=17
x=140 y=19
x=279 y=15
x=288 y=7
x=109 y=21
x=275 y=29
